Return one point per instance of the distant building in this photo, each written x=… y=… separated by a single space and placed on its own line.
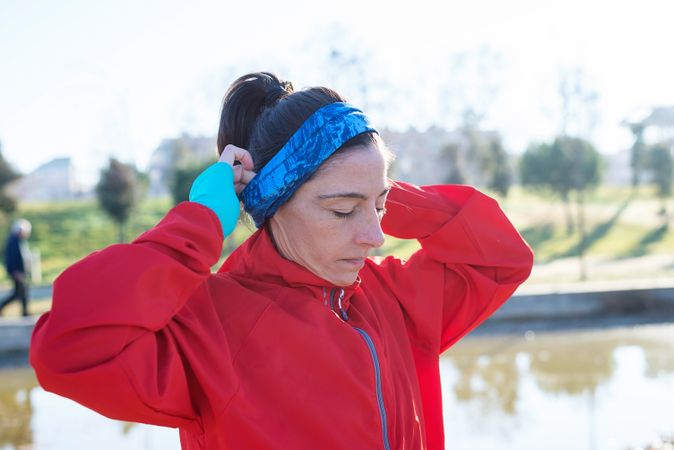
x=55 y=180
x=655 y=127
x=172 y=151
x=617 y=171
x=416 y=154
x=659 y=125
x=419 y=155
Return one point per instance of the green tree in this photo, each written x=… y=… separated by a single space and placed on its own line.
x=568 y=165
x=497 y=167
x=118 y=192
x=659 y=163
x=7 y=175
x=585 y=175
x=451 y=154
x=183 y=177
x=179 y=154
x=545 y=168
x=490 y=158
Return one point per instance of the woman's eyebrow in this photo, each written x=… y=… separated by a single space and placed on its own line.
x=351 y=195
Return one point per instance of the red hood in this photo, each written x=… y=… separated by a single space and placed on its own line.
x=258 y=258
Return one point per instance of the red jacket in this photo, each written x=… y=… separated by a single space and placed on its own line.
x=261 y=355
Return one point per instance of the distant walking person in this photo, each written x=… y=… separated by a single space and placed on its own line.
x=17 y=262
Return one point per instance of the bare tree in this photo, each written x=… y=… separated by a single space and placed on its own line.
x=578 y=104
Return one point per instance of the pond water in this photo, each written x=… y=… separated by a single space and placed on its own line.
x=591 y=390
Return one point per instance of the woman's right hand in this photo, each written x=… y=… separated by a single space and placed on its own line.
x=218 y=187
x=243 y=172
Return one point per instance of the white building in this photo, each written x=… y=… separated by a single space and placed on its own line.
x=419 y=154
x=655 y=127
x=659 y=125
x=55 y=180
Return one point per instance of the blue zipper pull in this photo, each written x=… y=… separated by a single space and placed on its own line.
x=332 y=299
x=342 y=313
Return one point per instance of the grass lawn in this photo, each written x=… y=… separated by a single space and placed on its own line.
x=618 y=225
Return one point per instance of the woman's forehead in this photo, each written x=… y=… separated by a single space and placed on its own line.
x=363 y=167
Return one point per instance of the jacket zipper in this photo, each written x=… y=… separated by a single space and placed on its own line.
x=377 y=374
x=375 y=363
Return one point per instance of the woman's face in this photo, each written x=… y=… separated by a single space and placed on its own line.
x=333 y=221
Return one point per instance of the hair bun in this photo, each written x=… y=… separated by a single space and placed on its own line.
x=243 y=103
x=276 y=93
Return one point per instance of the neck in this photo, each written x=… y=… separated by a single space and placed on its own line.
x=270 y=229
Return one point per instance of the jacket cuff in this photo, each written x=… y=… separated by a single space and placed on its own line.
x=414 y=212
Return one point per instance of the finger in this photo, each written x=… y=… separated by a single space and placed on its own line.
x=238 y=170
x=244 y=158
x=239 y=187
x=233 y=153
x=227 y=156
x=246 y=176
x=241 y=184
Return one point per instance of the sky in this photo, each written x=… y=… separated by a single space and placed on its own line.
x=90 y=80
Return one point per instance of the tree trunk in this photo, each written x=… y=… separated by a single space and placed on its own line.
x=664 y=213
x=569 y=215
x=580 y=199
x=120 y=233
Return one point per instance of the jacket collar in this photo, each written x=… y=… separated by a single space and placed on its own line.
x=258 y=258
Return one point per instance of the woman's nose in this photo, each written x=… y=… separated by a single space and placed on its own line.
x=371 y=233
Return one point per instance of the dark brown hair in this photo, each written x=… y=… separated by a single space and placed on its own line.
x=260 y=113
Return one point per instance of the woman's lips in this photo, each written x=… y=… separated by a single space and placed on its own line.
x=354 y=261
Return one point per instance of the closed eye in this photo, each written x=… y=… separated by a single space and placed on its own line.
x=342 y=215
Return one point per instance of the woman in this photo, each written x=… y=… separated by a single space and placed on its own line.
x=300 y=340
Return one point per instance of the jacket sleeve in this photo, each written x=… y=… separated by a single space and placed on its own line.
x=109 y=341
x=471 y=260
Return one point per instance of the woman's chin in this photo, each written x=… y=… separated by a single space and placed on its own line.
x=338 y=275
x=344 y=280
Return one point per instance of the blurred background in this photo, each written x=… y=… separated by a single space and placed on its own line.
x=563 y=111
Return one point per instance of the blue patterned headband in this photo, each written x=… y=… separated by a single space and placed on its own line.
x=318 y=138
